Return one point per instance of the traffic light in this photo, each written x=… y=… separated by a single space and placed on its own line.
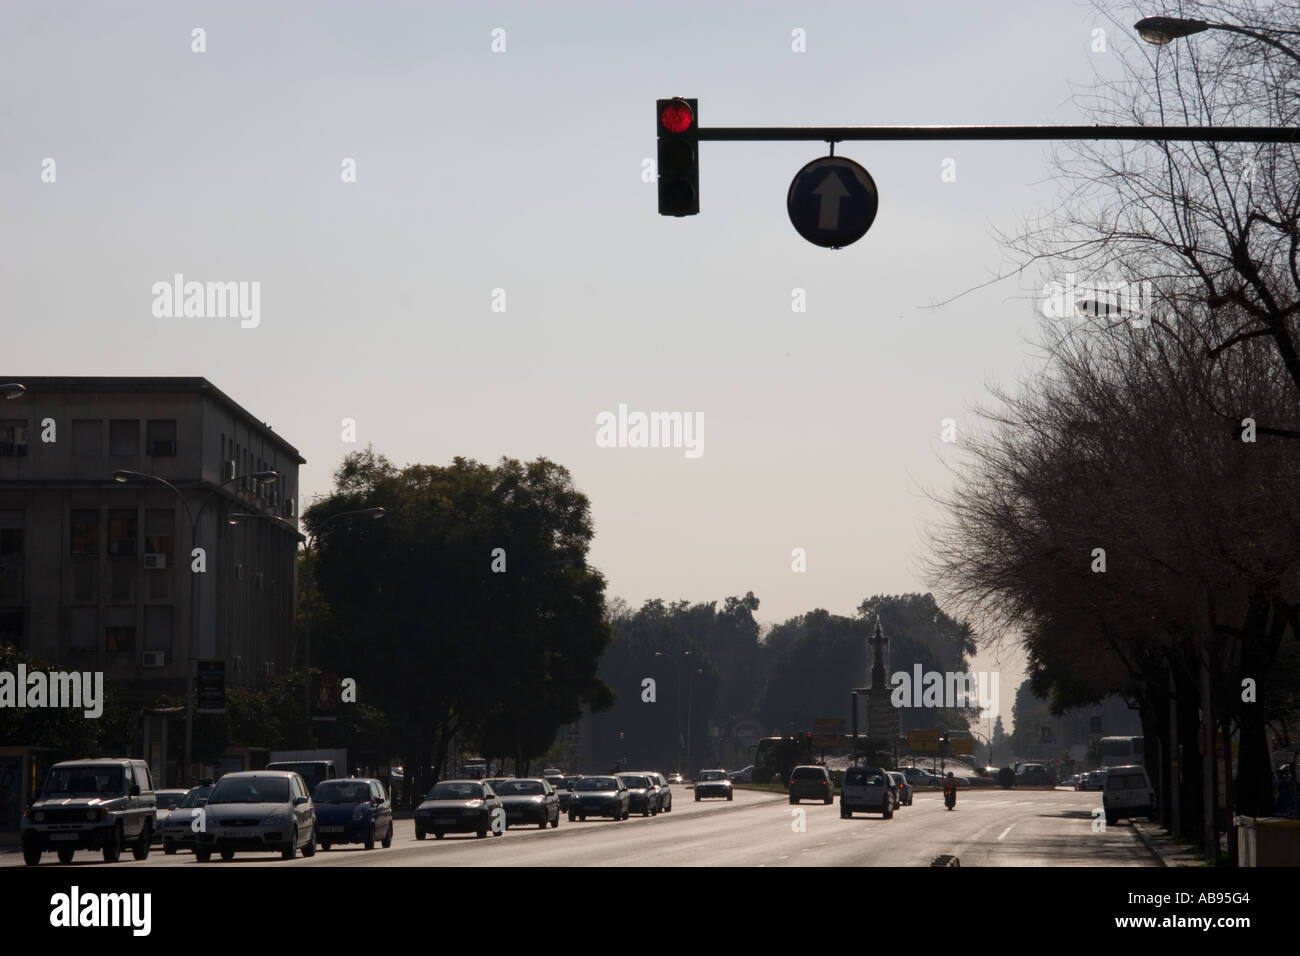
x=677 y=121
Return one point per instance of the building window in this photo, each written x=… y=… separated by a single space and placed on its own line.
x=120 y=639
x=158 y=629
x=161 y=437
x=13 y=438
x=124 y=437
x=82 y=622
x=87 y=437
x=85 y=531
x=122 y=527
x=121 y=582
x=160 y=531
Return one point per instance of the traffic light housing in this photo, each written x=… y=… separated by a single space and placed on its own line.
x=678 y=124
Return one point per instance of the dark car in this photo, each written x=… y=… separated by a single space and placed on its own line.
x=1033 y=775
x=564 y=789
x=599 y=797
x=257 y=810
x=811 y=783
x=178 y=830
x=104 y=804
x=529 y=800
x=352 y=810
x=712 y=783
x=459 y=806
x=642 y=793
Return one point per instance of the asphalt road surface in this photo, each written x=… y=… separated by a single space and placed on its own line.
x=988 y=828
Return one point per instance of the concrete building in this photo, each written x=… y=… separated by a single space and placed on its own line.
x=95 y=573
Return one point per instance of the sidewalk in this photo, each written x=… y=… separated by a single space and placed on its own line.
x=1169 y=850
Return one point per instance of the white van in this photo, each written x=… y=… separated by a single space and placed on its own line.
x=1127 y=793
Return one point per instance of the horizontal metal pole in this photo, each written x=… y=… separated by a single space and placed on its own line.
x=835 y=134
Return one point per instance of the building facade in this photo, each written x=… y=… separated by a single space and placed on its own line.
x=97 y=567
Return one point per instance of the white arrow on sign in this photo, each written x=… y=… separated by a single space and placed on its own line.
x=831 y=190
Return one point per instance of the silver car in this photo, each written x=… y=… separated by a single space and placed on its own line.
x=165 y=802
x=258 y=810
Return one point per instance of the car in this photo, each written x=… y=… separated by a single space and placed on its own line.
x=905 y=792
x=605 y=796
x=552 y=772
x=493 y=781
x=178 y=830
x=1071 y=781
x=1096 y=780
x=665 y=793
x=866 y=790
x=922 y=778
x=1033 y=775
x=712 y=783
x=642 y=793
x=1128 y=793
x=530 y=800
x=676 y=777
x=564 y=789
x=743 y=775
x=811 y=782
x=165 y=801
x=105 y=804
x=257 y=810
x=353 y=810
x=458 y=806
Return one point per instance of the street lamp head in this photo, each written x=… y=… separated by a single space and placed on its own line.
x=122 y=476
x=12 y=390
x=374 y=512
x=1162 y=30
x=266 y=476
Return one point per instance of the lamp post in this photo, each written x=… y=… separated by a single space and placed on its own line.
x=124 y=476
x=309 y=541
x=677 y=664
x=690 y=705
x=1163 y=30
x=12 y=390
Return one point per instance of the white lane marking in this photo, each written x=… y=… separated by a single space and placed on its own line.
x=1006 y=831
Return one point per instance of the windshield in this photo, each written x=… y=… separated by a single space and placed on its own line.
x=528 y=788
x=341 y=791
x=194 y=796
x=251 y=790
x=596 y=783
x=84 y=782
x=713 y=775
x=456 y=791
x=168 y=801
x=635 y=783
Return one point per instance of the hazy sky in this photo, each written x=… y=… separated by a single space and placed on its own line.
x=522 y=171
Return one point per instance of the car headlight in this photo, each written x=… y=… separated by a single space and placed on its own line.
x=93 y=814
x=39 y=816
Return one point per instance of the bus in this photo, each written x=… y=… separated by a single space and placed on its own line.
x=1121 y=751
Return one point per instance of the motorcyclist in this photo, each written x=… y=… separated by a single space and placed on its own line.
x=950 y=788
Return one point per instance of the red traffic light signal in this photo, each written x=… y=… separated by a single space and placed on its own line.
x=677 y=124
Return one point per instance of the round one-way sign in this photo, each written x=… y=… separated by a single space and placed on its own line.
x=832 y=202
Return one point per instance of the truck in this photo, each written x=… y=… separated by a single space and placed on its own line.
x=313 y=765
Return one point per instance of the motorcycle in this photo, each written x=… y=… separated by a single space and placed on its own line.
x=950 y=798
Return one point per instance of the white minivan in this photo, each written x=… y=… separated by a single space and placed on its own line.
x=1127 y=793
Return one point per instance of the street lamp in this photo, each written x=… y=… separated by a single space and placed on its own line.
x=123 y=476
x=1162 y=30
x=690 y=705
x=12 y=390
x=308 y=542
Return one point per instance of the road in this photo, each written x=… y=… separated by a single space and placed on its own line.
x=757 y=829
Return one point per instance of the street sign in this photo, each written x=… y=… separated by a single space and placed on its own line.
x=923 y=741
x=832 y=202
x=828 y=731
x=210 y=687
x=961 y=746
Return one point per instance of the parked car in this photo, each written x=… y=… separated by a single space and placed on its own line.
x=599 y=797
x=712 y=783
x=530 y=800
x=257 y=810
x=458 y=806
x=178 y=830
x=866 y=790
x=165 y=801
x=743 y=775
x=1128 y=793
x=905 y=792
x=811 y=783
x=104 y=805
x=353 y=810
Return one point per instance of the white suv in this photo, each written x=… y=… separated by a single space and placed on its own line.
x=1127 y=793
